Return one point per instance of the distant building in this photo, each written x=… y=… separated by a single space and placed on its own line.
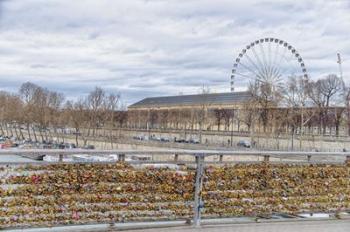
x=187 y=111
x=212 y=100
x=234 y=111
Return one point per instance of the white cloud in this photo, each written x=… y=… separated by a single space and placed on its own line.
x=150 y=48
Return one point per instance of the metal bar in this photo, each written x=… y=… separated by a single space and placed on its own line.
x=264 y=61
x=266 y=158
x=263 y=70
x=198 y=190
x=347 y=159
x=309 y=158
x=256 y=66
x=178 y=162
x=121 y=157
x=251 y=70
x=60 y=157
x=173 y=151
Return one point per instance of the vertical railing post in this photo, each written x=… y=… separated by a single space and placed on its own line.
x=309 y=158
x=198 y=204
x=347 y=159
x=60 y=158
x=266 y=158
x=121 y=157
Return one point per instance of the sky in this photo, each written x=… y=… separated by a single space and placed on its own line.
x=145 y=48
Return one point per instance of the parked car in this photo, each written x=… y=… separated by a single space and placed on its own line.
x=61 y=146
x=244 y=143
x=164 y=140
x=156 y=139
x=69 y=145
x=180 y=140
x=90 y=147
x=194 y=141
x=14 y=145
x=139 y=137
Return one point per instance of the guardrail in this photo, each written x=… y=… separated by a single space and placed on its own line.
x=199 y=159
x=307 y=156
x=281 y=154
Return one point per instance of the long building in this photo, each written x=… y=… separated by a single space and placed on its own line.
x=188 y=111
x=234 y=111
x=212 y=100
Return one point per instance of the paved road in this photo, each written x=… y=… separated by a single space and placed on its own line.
x=5 y=158
x=309 y=226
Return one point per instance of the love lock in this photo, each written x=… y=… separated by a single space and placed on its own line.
x=201 y=204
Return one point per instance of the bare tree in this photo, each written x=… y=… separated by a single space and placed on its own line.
x=266 y=96
x=26 y=92
x=297 y=98
x=219 y=117
x=11 y=114
x=111 y=106
x=322 y=93
x=337 y=116
x=41 y=102
x=164 y=118
x=201 y=113
x=77 y=114
x=55 y=101
x=346 y=93
x=95 y=101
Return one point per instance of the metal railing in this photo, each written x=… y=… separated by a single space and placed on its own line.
x=199 y=158
x=273 y=156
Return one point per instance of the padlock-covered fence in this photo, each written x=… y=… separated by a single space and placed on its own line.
x=264 y=189
x=49 y=194
x=60 y=194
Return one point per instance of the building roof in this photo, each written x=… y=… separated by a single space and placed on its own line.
x=198 y=99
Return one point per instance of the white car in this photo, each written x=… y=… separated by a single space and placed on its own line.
x=244 y=143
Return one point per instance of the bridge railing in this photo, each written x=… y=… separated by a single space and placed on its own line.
x=183 y=155
x=210 y=182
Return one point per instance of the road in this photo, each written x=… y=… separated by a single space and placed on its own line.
x=8 y=158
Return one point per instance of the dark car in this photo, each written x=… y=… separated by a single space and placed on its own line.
x=164 y=140
x=61 y=146
x=194 y=141
x=180 y=141
x=69 y=145
x=14 y=145
x=90 y=147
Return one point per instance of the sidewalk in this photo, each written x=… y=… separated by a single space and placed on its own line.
x=302 y=226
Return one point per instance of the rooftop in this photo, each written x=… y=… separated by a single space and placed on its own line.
x=196 y=99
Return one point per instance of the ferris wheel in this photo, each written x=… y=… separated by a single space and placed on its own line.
x=266 y=60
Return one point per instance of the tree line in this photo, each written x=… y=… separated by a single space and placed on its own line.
x=34 y=109
x=294 y=108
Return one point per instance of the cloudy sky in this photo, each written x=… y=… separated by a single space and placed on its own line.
x=144 y=48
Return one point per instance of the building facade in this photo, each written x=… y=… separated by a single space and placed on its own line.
x=215 y=111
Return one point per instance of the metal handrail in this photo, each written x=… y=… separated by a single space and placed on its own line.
x=277 y=154
x=198 y=154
